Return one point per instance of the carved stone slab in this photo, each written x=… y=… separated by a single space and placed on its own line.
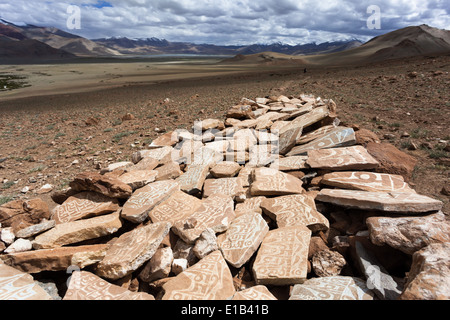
x=85 y=285
x=192 y=180
x=216 y=212
x=17 y=285
x=157 y=154
x=367 y=181
x=138 y=178
x=208 y=279
x=312 y=117
x=340 y=137
x=332 y=288
x=290 y=163
x=288 y=135
x=84 y=205
x=228 y=186
x=143 y=200
x=283 y=256
x=254 y=293
x=131 y=250
x=252 y=204
x=316 y=134
x=347 y=158
x=271 y=182
x=225 y=169
x=383 y=201
x=242 y=238
x=178 y=206
x=298 y=209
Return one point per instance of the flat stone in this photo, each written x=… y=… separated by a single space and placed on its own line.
x=225 y=169
x=288 y=135
x=254 y=293
x=206 y=156
x=143 y=200
x=315 y=115
x=171 y=170
x=283 y=256
x=429 y=277
x=316 y=134
x=84 y=205
x=332 y=288
x=209 y=279
x=249 y=205
x=77 y=231
x=57 y=259
x=292 y=210
x=19 y=245
x=92 y=181
x=340 y=137
x=138 y=178
x=35 y=229
x=159 y=266
x=409 y=234
x=20 y=214
x=267 y=181
x=327 y=263
x=131 y=250
x=17 y=285
x=178 y=206
x=116 y=166
x=207 y=124
x=168 y=139
x=219 y=146
x=401 y=202
x=242 y=238
x=158 y=154
x=367 y=181
x=290 y=163
x=193 y=179
x=144 y=164
x=227 y=186
x=85 y=285
x=347 y=158
x=216 y=212
x=205 y=244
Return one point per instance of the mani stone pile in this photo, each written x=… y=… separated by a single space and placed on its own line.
x=278 y=201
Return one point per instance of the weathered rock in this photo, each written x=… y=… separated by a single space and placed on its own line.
x=332 y=288
x=316 y=245
x=316 y=134
x=429 y=277
x=216 y=212
x=143 y=200
x=132 y=250
x=249 y=205
x=35 y=229
x=339 y=137
x=209 y=279
x=226 y=186
x=171 y=170
x=20 y=214
x=290 y=163
x=7 y=235
x=179 y=265
x=20 y=245
x=400 y=202
x=327 y=263
x=84 y=205
x=314 y=116
x=205 y=244
x=267 y=181
x=138 y=178
x=178 y=206
x=240 y=112
x=347 y=158
x=288 y=135
x=207 y=124
x=242 y=238
x=57 y=259
x=116 y=166
x=392 y=160
x=378 y=279
x=192 y=180
x=17 y=285
x=159 y=154
x=84 y=285
x=183 y=250
x=254 y=293
x=364 y=136
x=367 y=181
x=147 y=164
x=159 y=266
x=283 y=256
x=291 y=210
x=168 y=139
x=92 y=181
x=226 y=169
x=409 y=234
x=77 y=231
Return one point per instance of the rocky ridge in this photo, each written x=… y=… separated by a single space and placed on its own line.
x=277 y=201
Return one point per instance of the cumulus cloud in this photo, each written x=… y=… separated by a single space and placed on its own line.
x=230 y=21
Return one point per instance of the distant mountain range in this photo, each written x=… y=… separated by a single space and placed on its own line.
x=31 y=43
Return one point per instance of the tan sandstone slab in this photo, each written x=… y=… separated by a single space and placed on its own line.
x=367 y=181
x=143 y=200
x=138 y=178
x=316 y=134
x=313 y=116
x=225 y=169
x=108 y=186
x=208 y=279
x=347 y=158
x=178 y=206
x=17 y=285
x=227 y=186
x=171 y=170
x=56 y=259
x=405 y=202
x=287 y=137
x=84 y=205
x=242 y=238
x=290 y=163
x=252 y=204
x=159 y=154
x=216 y=212
x=131 y=250
x=283 y=256
x=207 y=124
x=193 y=179
x=332 y=288
x=298 y=209
x=168 y=139
x=85 y=285
x=268 y=181
x=254 y=293
x=77 y=231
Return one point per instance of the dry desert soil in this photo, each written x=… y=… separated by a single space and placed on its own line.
x=48 y=139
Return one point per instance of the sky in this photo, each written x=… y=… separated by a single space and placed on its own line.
x=230 y=22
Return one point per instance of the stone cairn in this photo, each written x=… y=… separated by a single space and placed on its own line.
x=279 y=201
